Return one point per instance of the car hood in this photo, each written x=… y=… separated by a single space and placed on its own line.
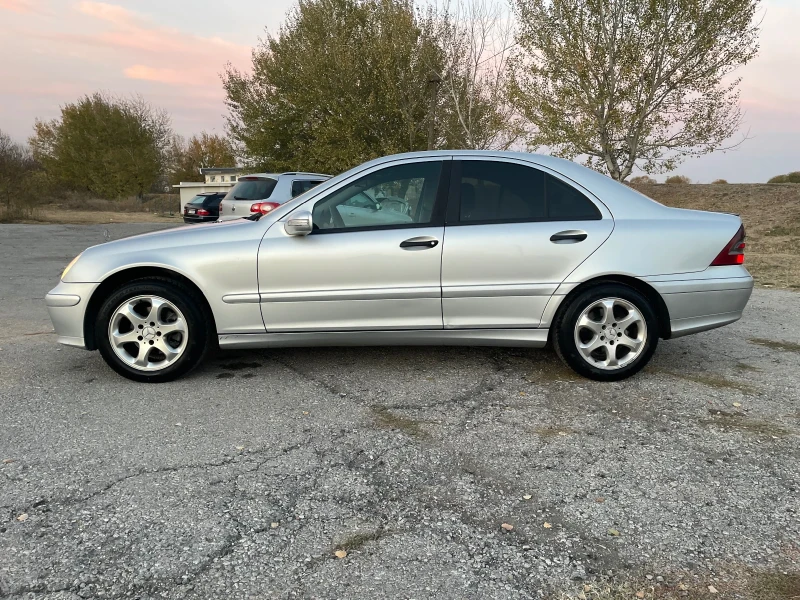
x=162 y=244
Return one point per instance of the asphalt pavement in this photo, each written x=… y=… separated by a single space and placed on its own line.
x=388 y=472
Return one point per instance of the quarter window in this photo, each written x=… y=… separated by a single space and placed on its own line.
x=401 y=196
x=500 y=192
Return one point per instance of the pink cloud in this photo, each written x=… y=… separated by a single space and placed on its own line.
x=20 y=6
x=151 y=52
x=169 y=76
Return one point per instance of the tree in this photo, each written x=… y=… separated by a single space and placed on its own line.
x=109 y=146
x=206 y=150
x=627 y=82
x=19 y=185
x=476 y=37
x=343 y=81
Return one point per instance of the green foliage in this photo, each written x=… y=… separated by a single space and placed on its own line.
x=642 y=179
x=678 y=179
x=345 y=81
x=632 y=82
x=793 y=177
x=22 y=182
x=186 y=158
x=109 y=146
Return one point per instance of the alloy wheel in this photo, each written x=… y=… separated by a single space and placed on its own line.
x=149 y=333
x=610 y=333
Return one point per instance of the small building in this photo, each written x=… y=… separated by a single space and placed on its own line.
x=215 y=179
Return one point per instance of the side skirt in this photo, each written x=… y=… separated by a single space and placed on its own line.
x=532 y=338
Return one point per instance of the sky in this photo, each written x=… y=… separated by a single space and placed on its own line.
x=172 y=52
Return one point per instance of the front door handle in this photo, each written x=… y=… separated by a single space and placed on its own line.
x=421 y=242
x=570 y=236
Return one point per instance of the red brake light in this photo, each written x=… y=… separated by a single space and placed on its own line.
x=733 y=252
x=264 y=207
x=202 y=212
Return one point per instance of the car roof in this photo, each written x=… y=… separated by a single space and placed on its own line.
x=620 y=199
x=210 y=194
x=287 y=174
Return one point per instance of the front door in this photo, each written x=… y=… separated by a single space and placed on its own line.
x=513 y=234
x=373 y=261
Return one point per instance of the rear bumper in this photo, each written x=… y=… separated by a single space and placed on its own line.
x=66 y=304
x=697 y=305
x=193 y=219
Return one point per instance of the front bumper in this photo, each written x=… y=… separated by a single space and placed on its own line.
x=66 y=304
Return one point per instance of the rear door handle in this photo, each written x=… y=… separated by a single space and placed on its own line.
x=570 y=236
x=421 y=242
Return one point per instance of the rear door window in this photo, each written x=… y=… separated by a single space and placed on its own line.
x=501 y=192
x=252 y=189
x=301 y=186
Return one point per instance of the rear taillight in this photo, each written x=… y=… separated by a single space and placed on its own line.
x=733 y=252
x=202 y=212
x=264 y=207
x=220 y=208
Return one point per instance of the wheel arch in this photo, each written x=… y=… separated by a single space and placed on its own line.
x=644 y=288
x=118 y=278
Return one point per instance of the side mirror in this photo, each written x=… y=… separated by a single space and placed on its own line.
x=299 y=223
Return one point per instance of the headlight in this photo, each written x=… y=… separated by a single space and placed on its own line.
x=69 y=266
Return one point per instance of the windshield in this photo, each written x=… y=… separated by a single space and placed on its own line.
x=198 y=200
x=252 y=189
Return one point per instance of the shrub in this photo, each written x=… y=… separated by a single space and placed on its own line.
x=642 y=179
x=719 y=181
x=678 y=179
x=793 y=177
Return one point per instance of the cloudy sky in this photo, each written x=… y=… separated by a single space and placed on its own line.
x=172 y=52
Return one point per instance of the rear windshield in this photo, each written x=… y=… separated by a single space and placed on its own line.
x=252 y=189
x=198 y=200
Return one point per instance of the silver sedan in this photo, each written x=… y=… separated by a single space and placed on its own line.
x=474 y=248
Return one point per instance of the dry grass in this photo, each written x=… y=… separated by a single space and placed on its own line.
x=771 y=215
x=85 y=217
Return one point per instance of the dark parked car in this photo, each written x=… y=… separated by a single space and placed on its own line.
x=203 y=208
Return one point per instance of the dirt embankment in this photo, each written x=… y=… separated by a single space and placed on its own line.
x=771 y=215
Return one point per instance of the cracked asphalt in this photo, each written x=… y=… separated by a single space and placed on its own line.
x=243 y=479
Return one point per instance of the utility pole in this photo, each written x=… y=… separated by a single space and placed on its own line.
x=433 y=82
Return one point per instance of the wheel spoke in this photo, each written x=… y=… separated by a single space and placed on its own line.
x=178 y=326
x=633 y=343
x=141 y=359
x=592 y=345
x=127 y=311
x=587 y=323
x=608 y=311
x=631 y=318
x=120 y=339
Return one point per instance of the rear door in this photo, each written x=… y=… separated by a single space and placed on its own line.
x=513 y=233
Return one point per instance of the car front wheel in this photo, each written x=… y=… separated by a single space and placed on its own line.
x=153 y=330
x=608 y=332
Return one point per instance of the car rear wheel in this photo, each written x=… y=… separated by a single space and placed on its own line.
x=608 y=332
x=153 y=330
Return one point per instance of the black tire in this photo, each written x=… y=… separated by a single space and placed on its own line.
x=201 y=330
x=563 y=332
